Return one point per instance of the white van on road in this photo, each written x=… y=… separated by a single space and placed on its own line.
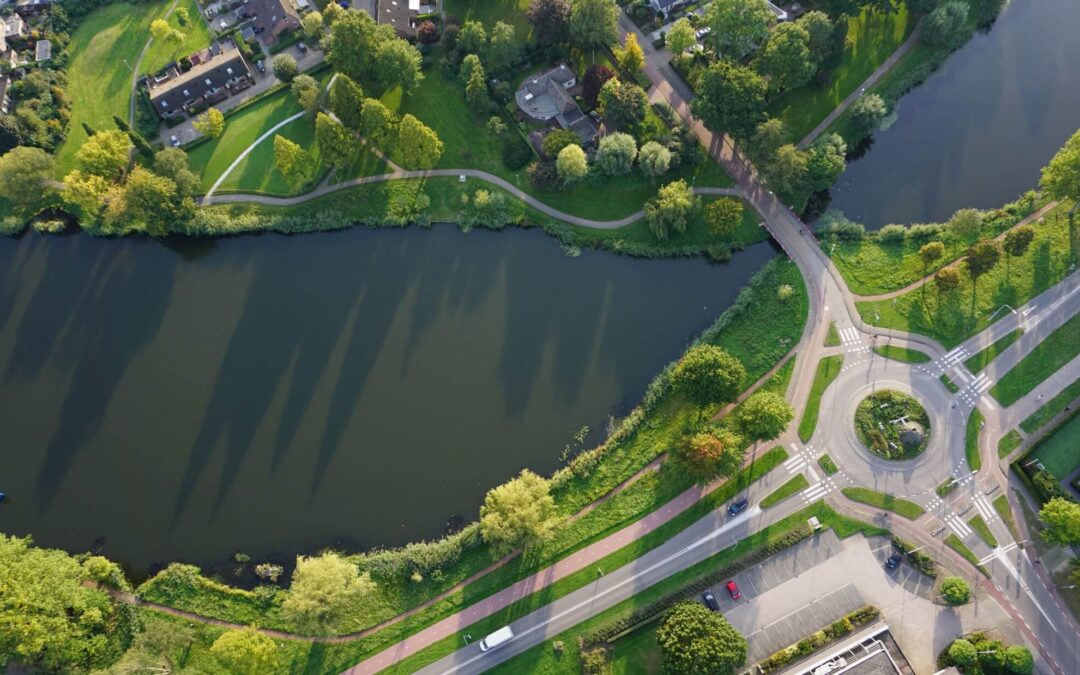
x=497 y=638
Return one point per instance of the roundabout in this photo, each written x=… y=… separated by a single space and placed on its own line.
x=892 y=425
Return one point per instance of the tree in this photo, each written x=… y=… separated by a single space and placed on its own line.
x=866 y=113
x=593 y=23
x=946 y=26
x=476 y=92
x=398 y=64
x=1061 y=180
x=929 y=254
x=472 y=38
x=332 y=13
x=147 y=203
x=766 y=140
x=982 y=257
x=708 y=375
x=324 y=588
x=630 y=56
x=723 y=215
x=947 y=279
x=825 y=162
x=84 y=191
x=820 y=30
x=681 y=36
x=160 y=29
x=105 y=154
x=296 y=165
x=616 y=154
x=503 y=49
x=550 y=20
x=25 y=174
x=558 y=139
x=517 y=513
x=211 y=123
x=153 y=648
x=246 y=651
x=731 y=99
x=427 y=33
x=787 y=171
x=173 y=164
x=595 y=77
x=955 y=591
x=284 y=67
x=694 y=639
x=786 y=59
x=337 y=146
x=670 y=209
x=9 y=133
x=708 y=456
x=765 y=415
x=1018 y=660
x=346 y=101
x=470 y=63
x=1017 y=241
x=738 y=25
x=623 y=104
x=420 y=145
x=495 y=126
x=354 y=44
x=571 y=164
x=307 y=93
x=654 y=159
x=962 y=652
x=965 y=224
x=313 y=26
x=1062 y=518
x=377 y=124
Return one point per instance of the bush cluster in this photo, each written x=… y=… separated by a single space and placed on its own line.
x=918 y=559
x=807 y=645
x=428 y=558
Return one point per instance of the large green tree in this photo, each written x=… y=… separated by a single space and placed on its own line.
x=571 y=163
x=654 y=159
x=693 y=639
x=1017 y=241
x=323 y=591
x=982 y=257
x=246 y=652
x=517 y=513
x=738 y=25
x=354 y=44
x=671 y=208
x=681 y=36
x=419 y=144
x=866 y=113
x=1061 y=180
x=955 y=591
x=786 y=59
x=707 y=456
x=594 y=23
x=378 y=124
x=708 y=375
x=147 y=203
x=211 y=123
x=346 y=101
x=337 y=145
x=173 y=164
x=765 y=415
x=550 y=20
x=307 y=93
x=616 y=154
x=825 y=161
x=397 y=64
x=623 y=104
x=1062 y=518
x=731 y=99
x=25 y=174
x=105 y=154
x=946 y=27
x=296 y=164
x=723 y=215
x=472 y=38
x=503 y=48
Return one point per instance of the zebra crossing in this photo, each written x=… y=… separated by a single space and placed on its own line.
x=972 y=391
x=820 y=485
x=942 y=364
x=815 y=492
x=852 y=341
x=982 y=505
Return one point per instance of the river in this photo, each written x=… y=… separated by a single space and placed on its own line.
x=978 y=131
x=273 y=395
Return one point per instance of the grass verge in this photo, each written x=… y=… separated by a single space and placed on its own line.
x=980 y=360
x=1050 y=355
x=796 y=484
x=971 y=440
x=901 y=354
x=1051 y=408
x=983 y=530
x=897 y=505
x=954 y=542
x=827 y=370
x=1001 y=505
x=827 y=465
x=1009 y=442
x=949 y=384
x=832 y=338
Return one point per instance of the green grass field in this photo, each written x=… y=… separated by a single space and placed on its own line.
x=903 y=507
x=971 y=440
x=872 y=37
x=950 y=317
x=1060 y=451
x=197 y=36
x=488 y=12
x=103 y=51
x=901 y=354
x=827 y=465
x=1051 y=408
x=983 y=530
x=795 y=484
x=258 y=172
x=983 y=358
x=1056 y=350
x=827 y=370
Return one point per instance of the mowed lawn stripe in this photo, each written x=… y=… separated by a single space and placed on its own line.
x=1044 y=360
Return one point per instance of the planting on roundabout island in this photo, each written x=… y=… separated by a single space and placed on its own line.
x=892 y=425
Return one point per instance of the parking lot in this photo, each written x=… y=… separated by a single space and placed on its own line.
x=806 y=621
x=913 y=581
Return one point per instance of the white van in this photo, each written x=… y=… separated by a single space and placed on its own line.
x=497 y=638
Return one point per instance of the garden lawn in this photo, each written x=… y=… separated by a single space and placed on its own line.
x=1051 y=408
x=872 y=37
x=258 y=172
x=983 y=358
x=903 y=507
x=488 y=12
x=827 y=370
x=795 y=484
x=197 y=36
x=103 y=51
x=1044 y=360
x=901 y=354
x=1060 y=451
x=952 y=316
x=971 y=440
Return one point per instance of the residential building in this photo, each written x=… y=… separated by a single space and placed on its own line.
x=547 y=97
x=5 y=95
x=216 y=73
x=271 y=19
x=400 y=14
x=14 y=27
x=9 y=61
x=666 y=6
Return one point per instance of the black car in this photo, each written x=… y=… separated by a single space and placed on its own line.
x=894 y=561
x=302 y=47
x=710 y=601
x=738 y=506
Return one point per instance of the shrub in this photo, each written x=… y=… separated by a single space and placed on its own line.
x=845 y=230
x=892 y=234
x=962 y=652
x=515 y=153
x=921 y=233
x=955 y=591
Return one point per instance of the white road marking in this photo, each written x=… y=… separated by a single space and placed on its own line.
x=984 y=508
x=958 y=525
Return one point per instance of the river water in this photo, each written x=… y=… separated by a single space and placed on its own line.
x=978 y=131
x=274 y=394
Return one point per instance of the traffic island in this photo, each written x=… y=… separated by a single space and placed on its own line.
x=892 y=425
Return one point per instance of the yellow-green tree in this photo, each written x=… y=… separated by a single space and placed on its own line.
x=105 y=154
x=419 y=144
x=246 y=652
x=211 y=123
x=630 y=56
x=323 y=590
x=518 y=513
x=295 y=164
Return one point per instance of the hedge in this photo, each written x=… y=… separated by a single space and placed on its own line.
x=808 y=645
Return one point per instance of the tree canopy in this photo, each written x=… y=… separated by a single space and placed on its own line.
x=694 y=639
x=765 y=415
x=105 y=154
x=738 y=25
x=955 y=591
x=517 y=513
x=616 y=154
x=323 y=590
x=671 y=208
x=550 y=20
x=706 y=456
x=623 y=104
x=346 y=101
x=654 y=159
x=296 y=164
x=1062 y=518
x=946 y=26
x=681 y=36
x=211 y=123
x=708 y=375
x=786 y=59
x=419 y=144
x=246 y=652
x=571 y=163
x=723 y=215
x=731 y=99
x=25 y=174
x=594 y=23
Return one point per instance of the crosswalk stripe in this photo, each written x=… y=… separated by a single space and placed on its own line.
x=984 y=508
x=813 y=492
x=958 y=525
x=796 y=461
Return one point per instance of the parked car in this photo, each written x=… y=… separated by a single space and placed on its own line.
x=302 y=47
x=261 y=65
x=710 y=601
x=174 y=141
x=894 y=561
x=733 y=590
x=738 y=506
x=702 y=32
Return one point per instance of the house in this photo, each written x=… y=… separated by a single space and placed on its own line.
x=31 y=7
x=215 y=74
x=5 y=95
x=666 y=6
x=780 y=14
x=14 y=26
x=9 y=61
x=271 y=19
x=547 y=97
x=400 y=14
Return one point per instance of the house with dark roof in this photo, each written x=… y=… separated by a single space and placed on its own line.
x=546 y=97
x=215 y=74
x=270 y=19
x=399 y=14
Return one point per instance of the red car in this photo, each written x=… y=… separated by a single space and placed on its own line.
x=733 y=590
